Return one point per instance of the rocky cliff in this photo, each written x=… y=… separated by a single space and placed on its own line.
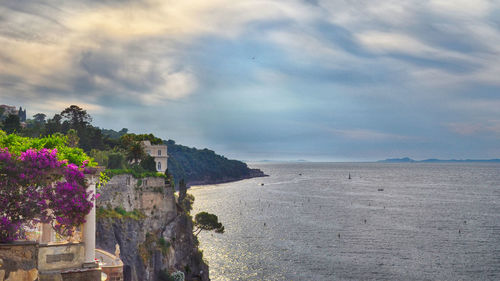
x=153 y=232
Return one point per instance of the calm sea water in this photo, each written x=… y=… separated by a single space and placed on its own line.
x=430 y=222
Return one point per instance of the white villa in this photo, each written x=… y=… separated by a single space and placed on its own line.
x=159 y=153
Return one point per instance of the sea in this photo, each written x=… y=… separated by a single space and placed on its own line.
x=309 y=221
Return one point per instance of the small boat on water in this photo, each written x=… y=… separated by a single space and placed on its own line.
x=349 y=176
x=262 y=184
x=380 y=189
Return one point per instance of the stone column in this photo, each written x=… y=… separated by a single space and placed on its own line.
x=46 y=233
x=89 y=228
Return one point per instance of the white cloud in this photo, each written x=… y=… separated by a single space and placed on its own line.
x=176 y=85
x=52 y=106
x=157 y=30
x=461 y=9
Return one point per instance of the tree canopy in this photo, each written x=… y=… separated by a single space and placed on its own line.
x=207 y=221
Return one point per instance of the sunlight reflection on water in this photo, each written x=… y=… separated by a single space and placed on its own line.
x=322 y=226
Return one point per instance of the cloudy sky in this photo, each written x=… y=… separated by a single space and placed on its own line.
x=267 y=79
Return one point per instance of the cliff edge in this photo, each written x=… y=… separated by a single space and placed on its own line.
x=154 y=234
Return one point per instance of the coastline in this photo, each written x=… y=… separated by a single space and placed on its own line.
x=254 y=173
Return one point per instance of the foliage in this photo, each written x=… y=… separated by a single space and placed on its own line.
x=148 y=163
x=169 y=180
x=187 y=203
x=175 y=276
x=136 y=173
x=76 y=116
x=182 y=190
x=39 y=117
x=53 y=125
x=111 y=159
x=128 y=138
x=101 y=157
x=119 y=213
x=207 y=221
x=191 y=164
x=73 y=138
x=112 y=134
x=12 y=124
x=36 y=186
x=135 y=152
x=116 y=160
x=202 y=165
x=164 y=245
x=152 y=243
x=18 y=144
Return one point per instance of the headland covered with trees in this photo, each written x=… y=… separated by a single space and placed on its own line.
x=44 y=163
x=121 y=151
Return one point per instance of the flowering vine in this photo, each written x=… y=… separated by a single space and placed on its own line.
x=35 y=187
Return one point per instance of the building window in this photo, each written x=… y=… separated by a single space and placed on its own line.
x=159 y=166
x=148 y=152
x=128 y=180
x=159 y=152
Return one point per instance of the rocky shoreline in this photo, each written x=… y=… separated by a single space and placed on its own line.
x=254 y=173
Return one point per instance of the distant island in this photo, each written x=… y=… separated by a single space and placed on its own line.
x=409 y=160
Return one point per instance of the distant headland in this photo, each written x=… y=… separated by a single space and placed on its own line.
x=433 y=160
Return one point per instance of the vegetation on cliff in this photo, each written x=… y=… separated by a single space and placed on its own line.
x=117 y=149
x=199 y=166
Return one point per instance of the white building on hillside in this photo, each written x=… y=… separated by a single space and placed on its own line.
x=159 y=153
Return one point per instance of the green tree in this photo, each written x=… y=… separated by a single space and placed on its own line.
x=182 y=190
x=207 y=221
x=135 y=152
x=148 y=163
x=35 y=127
x=116 y=161
x=77 y=117
x=187 y=203
x=53 y=125
x=39 y=118
x=12 y=124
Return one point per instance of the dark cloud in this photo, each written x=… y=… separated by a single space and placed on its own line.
x=318 y=79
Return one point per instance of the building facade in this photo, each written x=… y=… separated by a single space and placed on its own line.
x=159 y=153
x=6 y=110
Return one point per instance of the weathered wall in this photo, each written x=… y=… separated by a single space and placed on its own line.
x=29 y=261
x=87 y=275
x=59 y=257
x=148 y=195
x=18 y=261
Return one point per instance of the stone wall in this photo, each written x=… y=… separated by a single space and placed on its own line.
x=29 y=261
x=149 y=195
x=60 y=257
x=82 y=275
x=113 y=273
x=18 y=261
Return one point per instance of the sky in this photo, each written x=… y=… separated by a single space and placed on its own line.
x=320 y=80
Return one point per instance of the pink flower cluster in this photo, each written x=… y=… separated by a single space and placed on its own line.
x=37 y=187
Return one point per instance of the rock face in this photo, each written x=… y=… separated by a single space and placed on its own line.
x=160 y=238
